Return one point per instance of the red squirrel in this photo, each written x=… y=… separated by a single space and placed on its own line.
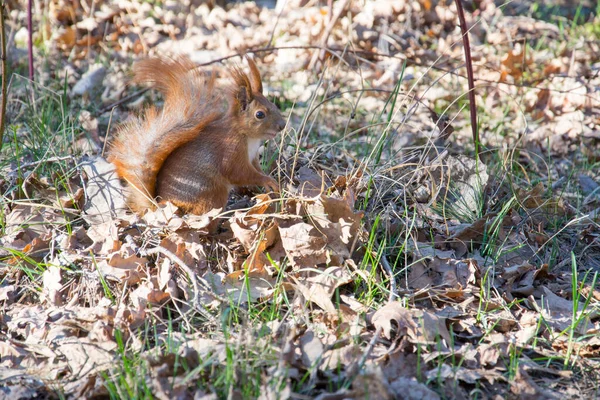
x=202 y=143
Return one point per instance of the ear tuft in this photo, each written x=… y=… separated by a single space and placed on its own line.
x=243 y=97
x=242 y=90
x=254 y=75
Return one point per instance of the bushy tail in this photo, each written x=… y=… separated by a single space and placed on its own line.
x=143 y=144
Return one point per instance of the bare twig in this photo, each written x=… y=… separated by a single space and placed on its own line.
x=470 y=80
x=318 y=56
x=121 y=101
x=336 y=52
x=43 y=161
x=270 y=42
x=30 y=38
x=363 y=359
x=387 y=269
x=4 y=74
x=370 y=347
x=106 y=137
x=390 y=273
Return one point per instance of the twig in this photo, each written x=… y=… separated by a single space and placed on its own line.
x=388 y=270
x=4 y=79
x=318 y=56
x=333 y=51
x=121 y=101
x=363 y=359
x=470 y=80
x=47 y=160
x=270 y=42
x=107 y=133
x=30 y=38
x=370 y=347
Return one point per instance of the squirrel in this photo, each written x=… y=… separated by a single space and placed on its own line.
x=201 y=144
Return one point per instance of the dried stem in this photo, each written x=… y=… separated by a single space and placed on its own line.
x=469 y=64
x=4 y=74
x=390 y=273
x=30 y=38
x=123 y=100
x=319 y=55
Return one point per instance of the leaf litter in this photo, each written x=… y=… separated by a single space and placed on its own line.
x=292 y=293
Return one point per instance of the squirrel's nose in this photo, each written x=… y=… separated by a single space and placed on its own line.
x=281 y=125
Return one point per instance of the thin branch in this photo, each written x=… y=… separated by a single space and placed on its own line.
x=30 y=37
x=270 y=42
x=121 y=101
x=390 y=273
x=470 y=79
x=319 y=55
x=42 y=161
x=351 y=375
x=335 y=52
x=4 y=74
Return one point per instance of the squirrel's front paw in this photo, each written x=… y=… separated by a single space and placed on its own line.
x=271 y=184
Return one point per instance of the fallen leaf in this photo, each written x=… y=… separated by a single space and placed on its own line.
x=304 y=244
x=105 y=198
x=122 y=269
x=320 y=288
x=86 y=357
x=52 y=285
x=395 y=313
x=411 y=389
x=311 y=349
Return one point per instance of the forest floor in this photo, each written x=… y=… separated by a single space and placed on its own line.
x=394 y=262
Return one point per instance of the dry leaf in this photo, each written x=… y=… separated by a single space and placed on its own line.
x=311 y=349
x=304 y=244
x=395 y=313
x=86 y=357
x=51 y=281
x=105 y=194
x=320 y=288
x=122 y=269
x=411 y=389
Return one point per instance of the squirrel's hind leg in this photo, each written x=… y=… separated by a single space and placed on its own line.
x=205 y=201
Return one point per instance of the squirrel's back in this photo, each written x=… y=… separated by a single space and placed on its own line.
x=143 y=144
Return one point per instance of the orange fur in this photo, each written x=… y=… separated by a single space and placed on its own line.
x=202 y=142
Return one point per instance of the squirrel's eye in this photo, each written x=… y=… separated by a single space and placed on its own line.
x=260 y=114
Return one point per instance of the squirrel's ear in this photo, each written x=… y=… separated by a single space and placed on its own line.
x=243 y=89
x=243 y=98
x=254 y=76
